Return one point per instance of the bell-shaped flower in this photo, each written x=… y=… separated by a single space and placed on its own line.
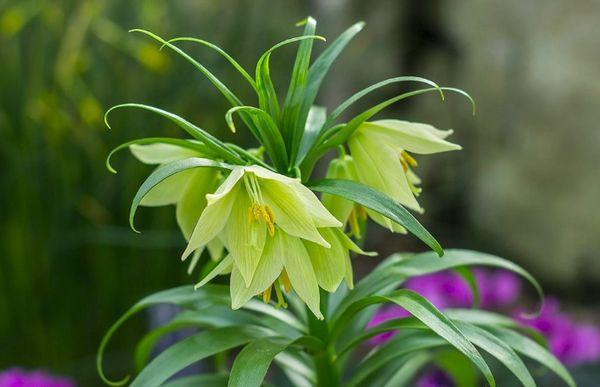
x=186 y=190
x=380 y=151
x=278 y=235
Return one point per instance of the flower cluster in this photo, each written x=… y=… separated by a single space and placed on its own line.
x=252 y=209
x=569 y=341
x=16 y=377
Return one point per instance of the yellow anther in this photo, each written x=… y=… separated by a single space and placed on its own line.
x=250 y=215
x=269 y=219
x=404 y=164
x=361 y=212
x=354 y=226
x=256 y=211
x=266 y=295
x=409 y=159
x=285 y=281
x=280 y=299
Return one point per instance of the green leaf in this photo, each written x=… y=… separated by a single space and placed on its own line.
x=204 y=380
x=179 y=296
x=290 y=119
x=163 y=172
x=458 y=366
x=189 y=144
x=193 y=349
x=423 y=310
x=223 y=53
x=267 y=97
x=498 y=349
x=468 y=276
x=317 y=72
x=379 y=202
x=215 y=145
x=233 y=100
x=253 y=361
x=266 y=132
x=533 y=350
x=396 y=347
x=314 y=123
x=357 y=96
x=406 y=372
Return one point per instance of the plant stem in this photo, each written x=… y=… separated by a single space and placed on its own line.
x=327 y=373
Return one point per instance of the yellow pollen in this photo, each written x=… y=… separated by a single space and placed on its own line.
x=404 y=164
x=354 y=226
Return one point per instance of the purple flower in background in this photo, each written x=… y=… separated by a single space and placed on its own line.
x=16 y=377
x=569 y=341
x=435 y=378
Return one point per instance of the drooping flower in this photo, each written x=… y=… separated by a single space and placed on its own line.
x=380 y=151
x=186 y=190
x=278 y=235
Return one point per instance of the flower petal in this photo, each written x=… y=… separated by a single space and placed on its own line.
x=193 y=200
x=268 y=270
x=350 y=245
x=290 y=213
x=161 y=153
x=245 y=238
x=320 y=215
x=329 y=264
x=227 y=185
x=168 y=191
x=378 y=166
x=411 y=136
x=338 y=206
x=301 y=273
x=211 y=221
x=221 y=268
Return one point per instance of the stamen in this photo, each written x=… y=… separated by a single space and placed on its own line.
x=404 y=164
x=285 y=281
x=266 y=295
x=409 y=159
x=353 y=222
x=280 y=299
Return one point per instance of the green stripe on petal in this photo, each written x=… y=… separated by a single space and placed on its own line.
x=211 y=222
x=378 y=166
x=268 y=270
x=290 y=213
x=329 y=265
x=411 y=136
x=301 y=273
x=193 y=200
x=245 y=238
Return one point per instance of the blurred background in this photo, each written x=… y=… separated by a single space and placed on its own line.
x=525 y=187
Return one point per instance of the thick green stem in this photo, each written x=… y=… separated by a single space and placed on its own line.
x=327 y=373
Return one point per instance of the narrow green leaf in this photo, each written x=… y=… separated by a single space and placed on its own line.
x=427 y=313
x=253 y=361
x=211 y=142
x=357 y=96
x=163 y=172
x=379 y=202
x=233 y=100
x=458 y=366
x=267 y=97
x=533 y=350
x=317 y=72
x=222 y=52
x=179 y=296
x=266 y=132
x=189 y=144
x=204 y=380
x=290 y=119
x=499 y=350
x=193 y=349
x=405 y=373
x=314 y=123
x=396 y=347
x=469 y=278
